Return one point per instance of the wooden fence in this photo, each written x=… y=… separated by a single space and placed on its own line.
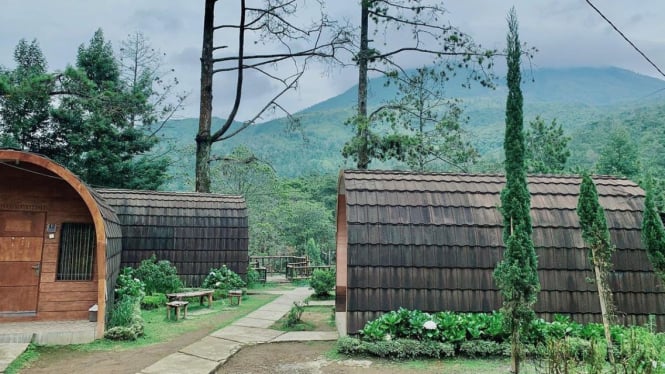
x=275 y=264
x=302 y=270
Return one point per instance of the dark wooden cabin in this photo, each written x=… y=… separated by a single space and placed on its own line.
x=432 y=241
x=195 y=231
x=59 y=243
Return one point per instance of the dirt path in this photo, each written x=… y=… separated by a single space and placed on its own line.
x=310 y=358
x=67 y=360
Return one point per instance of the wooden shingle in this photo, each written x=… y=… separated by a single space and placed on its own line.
x=431 y=242
x=194 y=231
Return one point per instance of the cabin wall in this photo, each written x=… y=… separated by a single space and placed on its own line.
x=38 y=190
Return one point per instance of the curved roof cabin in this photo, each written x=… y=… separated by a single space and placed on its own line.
x=432 y=241
x=60 y=243
x=195 y=231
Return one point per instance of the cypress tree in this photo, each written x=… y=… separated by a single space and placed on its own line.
x=597 y=237
x=653 y=233
x=516 y=274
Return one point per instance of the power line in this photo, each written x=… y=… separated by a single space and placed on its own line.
x=625 y=38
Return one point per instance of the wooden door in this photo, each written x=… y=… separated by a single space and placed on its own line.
x=21 y=243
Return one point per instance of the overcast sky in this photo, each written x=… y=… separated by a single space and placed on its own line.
x=566 y=33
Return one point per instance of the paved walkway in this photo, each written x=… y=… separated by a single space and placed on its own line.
x=210 y=353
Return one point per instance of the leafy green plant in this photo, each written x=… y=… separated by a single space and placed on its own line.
x=153 y=301
x=129 y=285
x=294 y=316
x=322 y=281
x=123 y=312
x=400 y=349
x=158 y=276
x=252 y=277
x=484 y=348
x=223 y=278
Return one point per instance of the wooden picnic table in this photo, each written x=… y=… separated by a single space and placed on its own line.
x=200 y=293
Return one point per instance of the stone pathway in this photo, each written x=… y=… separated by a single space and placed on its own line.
x=210 y=353
x=9 y=352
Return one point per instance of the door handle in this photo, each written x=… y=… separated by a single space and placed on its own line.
x=36 y=268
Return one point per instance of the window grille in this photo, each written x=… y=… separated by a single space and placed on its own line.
x=77 y=252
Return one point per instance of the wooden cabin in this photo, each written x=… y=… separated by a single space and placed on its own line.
x=195 y=231
x=60 y=243
x=432 y=241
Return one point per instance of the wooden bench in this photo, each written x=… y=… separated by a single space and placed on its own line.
x=235 y=294
x=177 y=305
x=200 y=293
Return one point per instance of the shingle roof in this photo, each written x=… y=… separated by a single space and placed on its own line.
x=195 y=231
x=431 y=241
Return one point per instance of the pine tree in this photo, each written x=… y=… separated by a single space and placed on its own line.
x=653 y=233
x=597 y=237
x=516 y=274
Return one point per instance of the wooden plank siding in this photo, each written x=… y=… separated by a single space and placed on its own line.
x=432 y=241
x=195 y=231
x=32 y=183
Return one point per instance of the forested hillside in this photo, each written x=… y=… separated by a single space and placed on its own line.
x=589 y=103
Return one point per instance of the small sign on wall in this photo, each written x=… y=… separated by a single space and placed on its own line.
x=50 y=229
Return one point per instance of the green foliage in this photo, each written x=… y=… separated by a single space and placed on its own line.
x=642 y=351
x=153 y=301
x=313 y=252
x=128 y=285
x=158 y=276
x=443 y=326
x=484 y=348
x=293 y=317
x=400 y=349
x=252 y=277
x=125 y=322
x=516 y=274
x=123 y=312
x=653 y=233
x=223 y=278
x=426 y=132
x=89 y=128
x=546 y=147
x=322 y=281
x=619 y=156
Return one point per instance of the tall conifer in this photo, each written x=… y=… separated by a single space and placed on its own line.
x=653 y=233
x=597 y=237
x=516 y=274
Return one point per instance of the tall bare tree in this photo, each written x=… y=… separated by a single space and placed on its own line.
x=261 y=23
x=430 y=38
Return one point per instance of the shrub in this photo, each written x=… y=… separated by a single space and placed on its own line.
x=294 y=315
x=125 y=321
x=129 y=285
x=153 y=301
x=252 y=277
x=401 y=349
x=349 y=346
x=223 y=279
x=158 y=276
x=322 y=281
x=484 y=348
x=123 y=312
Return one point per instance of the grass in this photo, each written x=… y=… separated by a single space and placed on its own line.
x=29 y=355
x=314 y=318
x=158 y=329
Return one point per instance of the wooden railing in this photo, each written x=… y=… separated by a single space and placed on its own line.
x=302 y=270
x=275 y=264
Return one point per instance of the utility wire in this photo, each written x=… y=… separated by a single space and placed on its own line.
x=625 y=38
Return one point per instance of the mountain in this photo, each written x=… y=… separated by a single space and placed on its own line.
x=584 y=100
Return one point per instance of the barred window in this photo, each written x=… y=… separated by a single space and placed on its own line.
x=77 y=252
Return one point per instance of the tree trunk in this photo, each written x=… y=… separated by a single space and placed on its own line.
x=515 y=353
x=203 y=139
x=363 y=124
x=602 y=297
